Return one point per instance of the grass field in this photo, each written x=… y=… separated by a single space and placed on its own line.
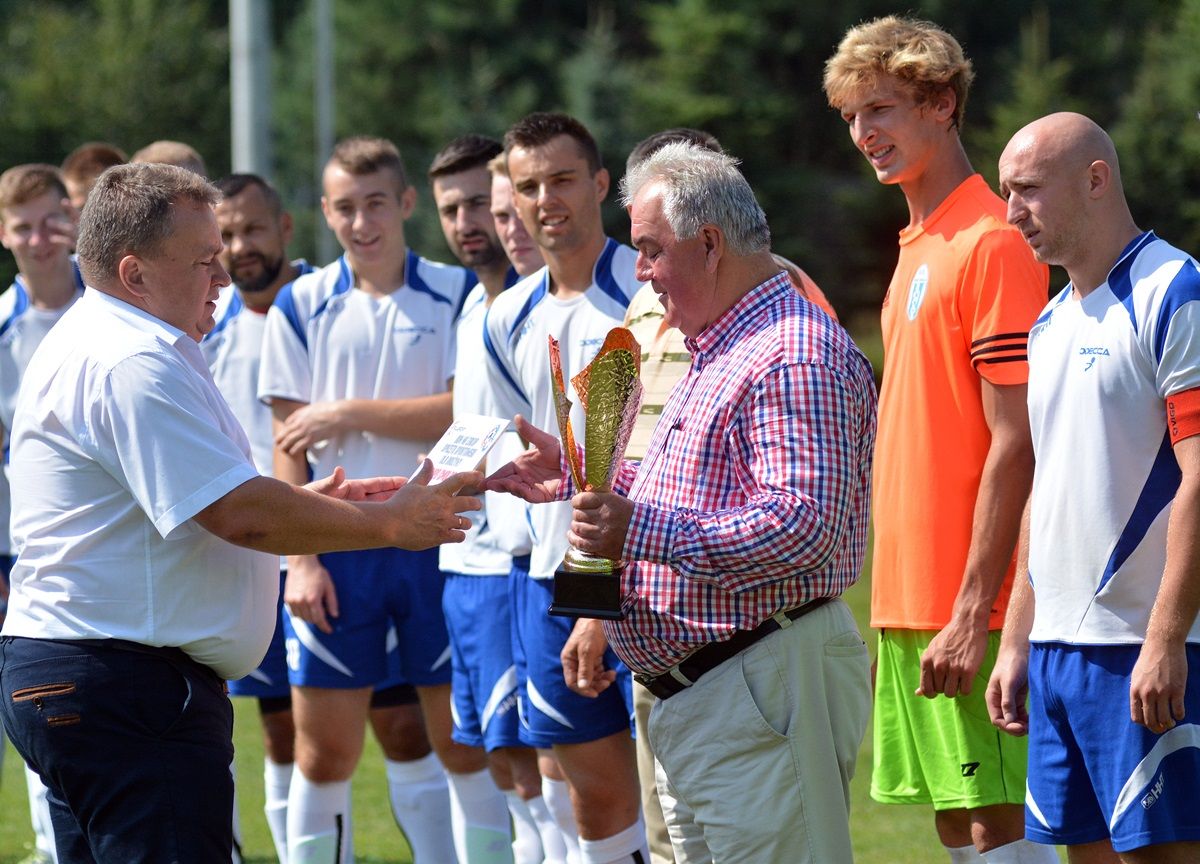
x=882 y=835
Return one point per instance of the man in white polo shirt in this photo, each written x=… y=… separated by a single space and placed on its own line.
x=134 y=494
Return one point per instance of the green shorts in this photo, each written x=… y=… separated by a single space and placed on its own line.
x=942 y=751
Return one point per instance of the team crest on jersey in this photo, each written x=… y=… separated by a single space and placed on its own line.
x=916 y=291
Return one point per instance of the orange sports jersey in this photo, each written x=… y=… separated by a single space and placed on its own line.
x=959 y=307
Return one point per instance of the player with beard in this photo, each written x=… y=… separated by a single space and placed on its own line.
x=256 y=231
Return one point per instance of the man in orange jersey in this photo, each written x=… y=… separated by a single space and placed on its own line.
x=953 y=462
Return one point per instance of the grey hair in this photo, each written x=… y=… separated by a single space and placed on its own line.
x=700 y=187
x=129 y=212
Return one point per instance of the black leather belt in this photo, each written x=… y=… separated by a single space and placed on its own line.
x=688 y=670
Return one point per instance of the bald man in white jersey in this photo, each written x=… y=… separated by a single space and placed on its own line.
x=1102 y=631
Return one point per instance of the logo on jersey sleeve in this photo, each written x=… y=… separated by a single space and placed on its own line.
x=916 y=291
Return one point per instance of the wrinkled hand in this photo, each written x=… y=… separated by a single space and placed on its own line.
x=336 y=485
x=1157 y=686
x=425 y=516
x=536 y=474
x=952 y=660
x=1007 y=691
x=599 y=523
x=308 y=592
x=583 y=659
x=308 y=425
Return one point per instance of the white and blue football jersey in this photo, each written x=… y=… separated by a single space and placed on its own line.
x=1100 y=370
x=516 y=334
x=325 y=340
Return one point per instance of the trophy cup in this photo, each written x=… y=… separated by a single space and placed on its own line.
x=588 y=585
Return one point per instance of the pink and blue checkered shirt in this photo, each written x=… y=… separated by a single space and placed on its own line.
x=753 y=497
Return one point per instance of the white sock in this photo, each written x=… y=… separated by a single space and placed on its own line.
x=1021 y=852
x=237 y=820
x=527 y=843
x=39 y=814
x=421 y=804
x=318 y=821
x=624 y=846
x=963 y=855
x=558 y=802
x=553 y=848
x=479 y=818
x=277 y=779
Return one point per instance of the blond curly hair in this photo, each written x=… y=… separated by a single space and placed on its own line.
x=922 y=56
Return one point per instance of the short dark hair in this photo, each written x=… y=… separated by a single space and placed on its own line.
x=235 y=184
x=88 y=161
x=463 y=154
x=362 y=155
x=652 y=143
x=130 y=213
x=542 y=127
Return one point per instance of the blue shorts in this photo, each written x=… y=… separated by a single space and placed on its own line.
x=376 y=589
x=270 y=679
x=484 y=686
x=551 y=713
x=1094 y=773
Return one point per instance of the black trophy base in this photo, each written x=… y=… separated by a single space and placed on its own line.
x=582 y=594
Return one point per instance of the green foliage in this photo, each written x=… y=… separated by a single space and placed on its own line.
x=1159 y=133
x=421 y=73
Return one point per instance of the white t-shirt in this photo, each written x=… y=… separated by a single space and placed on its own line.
x=120 y=438
x=498 y=531
x=233 y=350
x=22 y=328
x=517 y=332
x=1100 y=369
x=326 y=340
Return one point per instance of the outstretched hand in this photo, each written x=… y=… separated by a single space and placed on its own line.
x=536 y=474
x=427 y=516
x=337 y=485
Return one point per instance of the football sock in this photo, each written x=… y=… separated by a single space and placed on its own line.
x=527 y=843
x=421 y=804
x=625 y=847
x=277 y=779
x=318 y=821
x=39 y=813
x=558 y=802
x=479 y=818
x=554 y=848
x=1021 y=852
x=963 y=855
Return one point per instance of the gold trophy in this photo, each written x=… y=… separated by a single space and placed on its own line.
x=588 y=585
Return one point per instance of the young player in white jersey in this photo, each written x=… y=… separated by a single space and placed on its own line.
x=559 y=183
x=476 y=599
x=357 y=362
x=1103 y=632
x=38 y=226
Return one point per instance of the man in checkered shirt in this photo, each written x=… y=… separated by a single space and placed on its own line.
x=743 y=525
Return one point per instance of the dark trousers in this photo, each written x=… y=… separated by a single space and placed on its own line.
x=133 y=743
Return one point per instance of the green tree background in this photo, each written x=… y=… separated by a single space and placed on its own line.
x=131 y=71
